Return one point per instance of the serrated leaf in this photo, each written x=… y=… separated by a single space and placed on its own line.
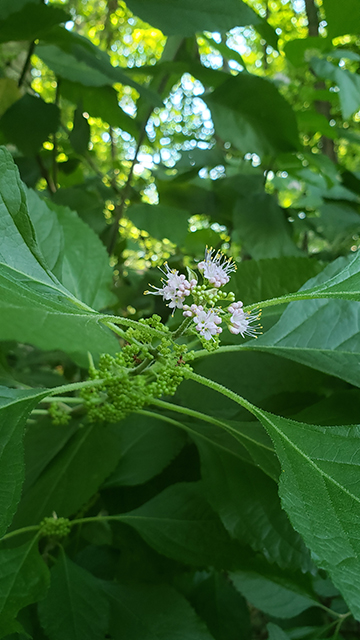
x=147 y=612
x=320 y=493
x=75 y=254
x=73 y=476
x=75 y=607
x=24 y=579
x=247 y=503
x=35 y=307
x=281 y=594
x=180 y=524
x=323 y=334
x=15 y=407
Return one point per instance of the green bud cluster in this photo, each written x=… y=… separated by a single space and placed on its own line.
x=132 y=378
x=55 y=527
x=58 y=414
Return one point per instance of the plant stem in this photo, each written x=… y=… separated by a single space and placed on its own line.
x=26 y=63
x=191 y=375
x=18 y=532
x=76 y=385
x=66 y=400
x=128 y=322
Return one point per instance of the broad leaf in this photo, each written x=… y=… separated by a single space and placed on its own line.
x=323 y=334
x=79 y=136
x=160 y=222
x=262 y=227
x=15 y=407
x=146 y=612
x=29 y=122
x=278 y=593
x=73 y=251
x=348 y=83
x=73 y=476
x=186 y=17
x=180 y=524
x=320 y=493
x=147 y=446
x=24 y=579
x=247 y=503
x=35 y=307
x=99 y=102
x=340 y=22
x=75 y=58
x=30 y=21
x=276 y=633
x=222 y=607
x=261 y=122
x=75 y=607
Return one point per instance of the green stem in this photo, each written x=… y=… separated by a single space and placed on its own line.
x=18 y=532
x=225 y=349
x=181 y=329
x=110 y=321
x=39 y=412
x=291 y=297
x=191 y=375
x=205 y=418
x=67 y=400
x=76 y=385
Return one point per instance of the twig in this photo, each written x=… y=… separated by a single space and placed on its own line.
x=26 y=63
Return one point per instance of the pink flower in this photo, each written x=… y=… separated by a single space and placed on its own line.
x=175 y=287
x=216 y=268
x=241 y=320
x=206 y=322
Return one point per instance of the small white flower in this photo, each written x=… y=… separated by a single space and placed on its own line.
x=175 y=287
x=216 y=268
x=241 y=320
x=206 y=322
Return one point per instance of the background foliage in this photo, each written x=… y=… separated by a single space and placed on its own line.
x=134 y=133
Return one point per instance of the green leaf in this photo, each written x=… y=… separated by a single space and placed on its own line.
x=75 y=254
x=278 y=593
x=160 y=222
x=320 y=493
x=185 y=18
x=247 y=503
x=34 y=305
x=79 y=136
x=222 y=607
x=323 y=334
x=29 y=122
x=24 y=579
x=348 y=83
x=296 y=50
x=99 y=102
x=180 y=524
x=256 y=280
x=145 y=612
x=75 y=58
x=15 y=407
x=261 y=122
x=147 y=446
x=75 y=607
x=31 y=21
x=73 y=475
x=262 y=228
x=276 y=633
x=9 y=93
x=246 y=441
x=340 y=21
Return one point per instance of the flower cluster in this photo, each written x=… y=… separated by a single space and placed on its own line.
x=205 y=311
